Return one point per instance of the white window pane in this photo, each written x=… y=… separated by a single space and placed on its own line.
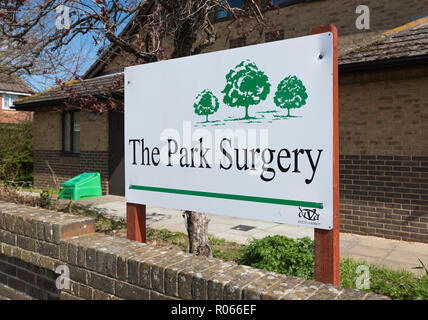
x=76 y=132
x=67 y=132
x=8 y=100
x=5 y=101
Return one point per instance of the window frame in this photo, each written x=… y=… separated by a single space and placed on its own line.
x=71 y=137
x=10 y=100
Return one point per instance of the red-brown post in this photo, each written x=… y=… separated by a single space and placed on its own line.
x=327 y=261
x=136 y=222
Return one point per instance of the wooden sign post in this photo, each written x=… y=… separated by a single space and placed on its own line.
x=136 y=222
x=327 y=261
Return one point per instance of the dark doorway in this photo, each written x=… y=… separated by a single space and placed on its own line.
x=116 y=148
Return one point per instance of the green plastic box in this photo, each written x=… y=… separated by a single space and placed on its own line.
x=84 y=186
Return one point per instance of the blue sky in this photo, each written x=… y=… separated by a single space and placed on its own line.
x=83 y=48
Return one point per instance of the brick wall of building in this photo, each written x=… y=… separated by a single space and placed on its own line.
x=384 y=153
x=10 y=116
x=298 y=19
x=51 y=165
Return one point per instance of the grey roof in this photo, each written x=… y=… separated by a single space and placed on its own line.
x=74 y=88
x=408 y=41
x=12 y=82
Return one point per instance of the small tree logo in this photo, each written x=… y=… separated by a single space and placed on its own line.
x=290 y=94
x=206 y=103
x=246 y=86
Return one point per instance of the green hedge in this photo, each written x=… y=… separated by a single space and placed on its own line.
x=16 y=152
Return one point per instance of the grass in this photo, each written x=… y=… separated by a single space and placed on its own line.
x=396 y=284
x=102 y=223
x=52 y=191
x=221 y=249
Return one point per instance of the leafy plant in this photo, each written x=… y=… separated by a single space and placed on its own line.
x=246 y=86
x=396 y=284
x=281 y=254
x=16 y=152
x=422 y=267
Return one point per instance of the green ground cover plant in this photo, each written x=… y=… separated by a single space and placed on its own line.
x=16 y=152
x=296 y=257
x=281 y=254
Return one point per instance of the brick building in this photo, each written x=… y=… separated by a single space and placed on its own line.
x=11 y=89
x=383 y=75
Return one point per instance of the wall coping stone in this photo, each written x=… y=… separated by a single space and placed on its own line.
x=109 y=267
x=47 y=225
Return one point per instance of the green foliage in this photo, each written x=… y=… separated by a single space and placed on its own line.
x=422 y=267
x=206 y=103
x=246 y=85
x=290 y=94
x=225 y=250
x=16 y=152
x=281 y=254
x=394 y=284
x=296 y=257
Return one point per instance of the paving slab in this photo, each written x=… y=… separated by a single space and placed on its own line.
x=346 y=245
x=407 y=257
x=363 y=258
x=374 y=252
x=377 y=243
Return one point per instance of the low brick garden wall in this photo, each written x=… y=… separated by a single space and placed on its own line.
x=34 y=242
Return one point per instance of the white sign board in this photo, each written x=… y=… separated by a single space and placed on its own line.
x=246 y=132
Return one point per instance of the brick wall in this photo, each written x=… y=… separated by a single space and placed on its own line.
x=385 y=196
x=384 y=153
x=30 y=242
x=298 y=19
x=49 y=161
x=34 y=242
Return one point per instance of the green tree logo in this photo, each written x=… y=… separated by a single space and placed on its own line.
x=206 y=103
x=246 y=86
x=290 y=94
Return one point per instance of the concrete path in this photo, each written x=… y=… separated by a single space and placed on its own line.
x=378 y=251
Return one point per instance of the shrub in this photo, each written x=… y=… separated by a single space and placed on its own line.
x=296 y=257
x=16 y=152
x=399 y=284
x=281 y=254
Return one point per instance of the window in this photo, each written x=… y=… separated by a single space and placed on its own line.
x=71 y=132
x=233 y=4
x=8 y=100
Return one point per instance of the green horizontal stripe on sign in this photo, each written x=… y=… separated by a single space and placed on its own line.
x=285 y=202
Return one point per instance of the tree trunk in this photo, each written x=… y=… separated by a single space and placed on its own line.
x=197 y=230
x=196 y=223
